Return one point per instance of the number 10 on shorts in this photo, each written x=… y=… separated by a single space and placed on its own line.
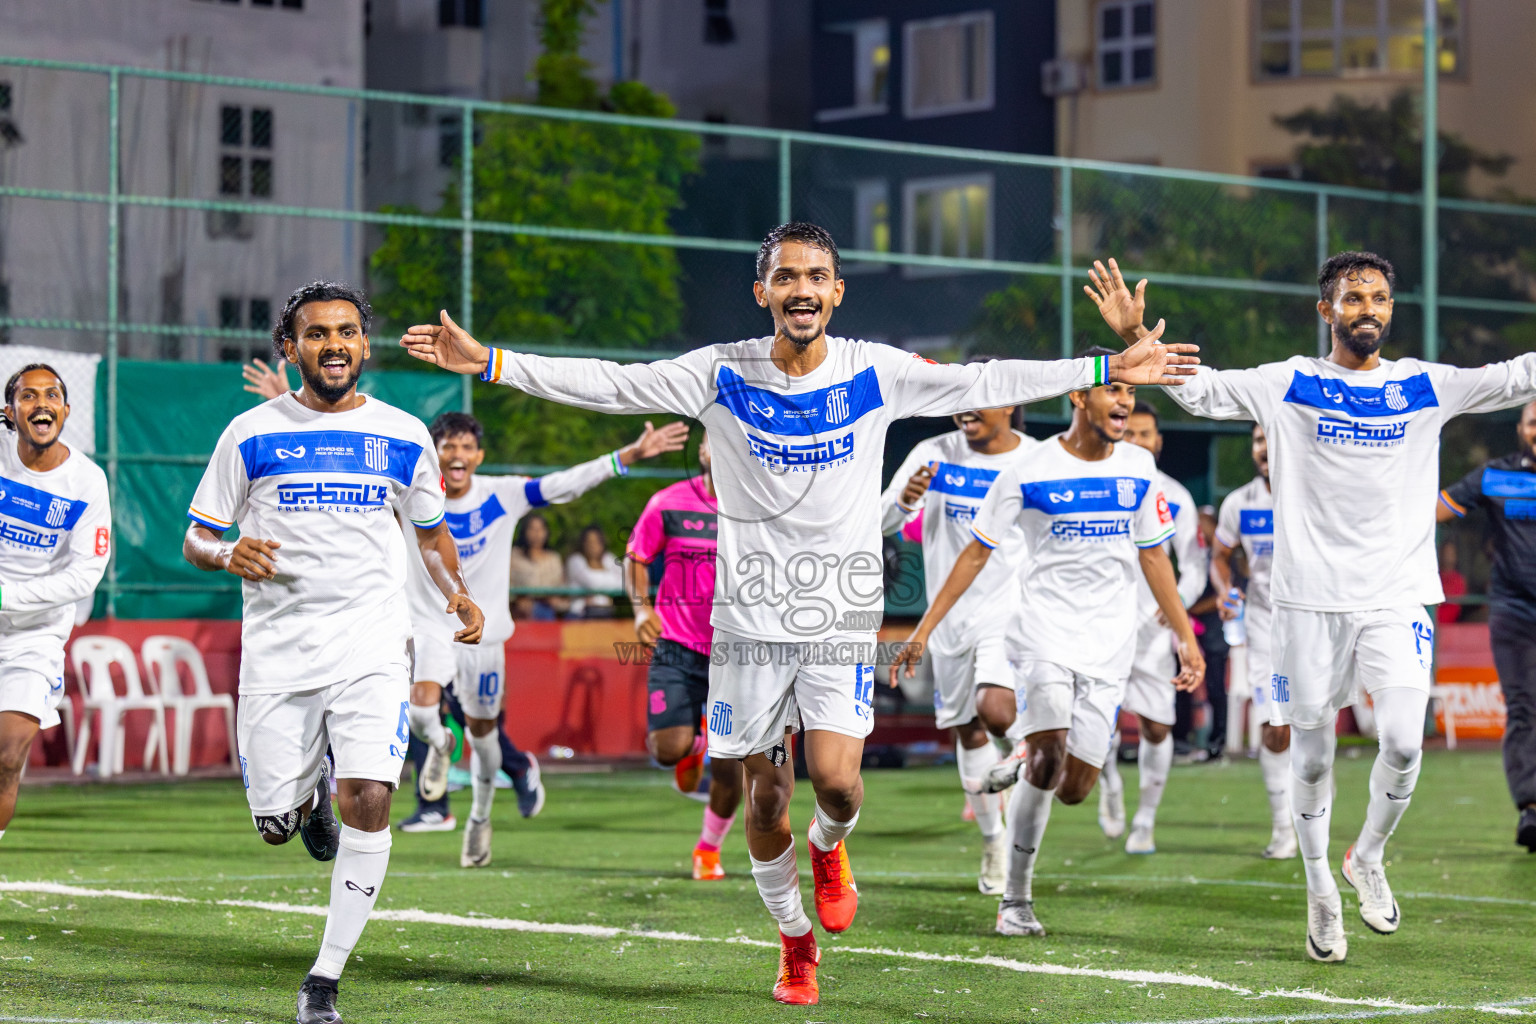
x=864 y=690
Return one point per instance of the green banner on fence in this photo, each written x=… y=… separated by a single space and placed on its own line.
x=170 y=415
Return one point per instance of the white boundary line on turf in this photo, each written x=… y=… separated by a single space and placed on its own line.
x=72 y=1020
x=1300 y=1018
x=608 y=932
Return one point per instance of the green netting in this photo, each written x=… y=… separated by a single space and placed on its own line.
x=170 y=415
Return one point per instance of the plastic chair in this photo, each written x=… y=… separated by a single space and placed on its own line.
x=161 y=656
x=99 y=654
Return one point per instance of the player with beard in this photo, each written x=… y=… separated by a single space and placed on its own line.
x=1354 y=454
x=482 y=515
x=55 y=530
x=312 y=478
x=797 y=424
x=1247 y=522
x=1092 y=519
x=939 y=489
x=680 y=526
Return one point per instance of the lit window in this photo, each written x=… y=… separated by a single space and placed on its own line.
x=1343 y=38
x=871 y=69
x=871 y=222
x=949 y=217
x=948 y=67
x=1127 y=43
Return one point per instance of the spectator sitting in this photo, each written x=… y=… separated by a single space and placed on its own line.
x=593 y=567
x=535 y=565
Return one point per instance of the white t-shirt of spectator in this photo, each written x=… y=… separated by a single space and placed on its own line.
x=579 y=574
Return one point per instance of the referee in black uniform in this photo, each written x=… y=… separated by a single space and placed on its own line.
x=1506 y=489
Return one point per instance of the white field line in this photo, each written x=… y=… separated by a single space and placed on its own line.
x=1240 y=883
x=71 y=1020
x=1301 y=1018
x=607 y=932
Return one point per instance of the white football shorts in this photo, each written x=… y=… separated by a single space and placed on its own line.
x=956 y=678
x=1322 y=659
x=1052 y=696
x=32 y=675
x=1149 y=692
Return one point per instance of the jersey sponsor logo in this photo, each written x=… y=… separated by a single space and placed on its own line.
x=799 y=414
x=471 y=549
x=28 y=536
x=958 y=512
x=696 y=526
x=1505 y=483
x=720 y=718
x=1256 y=521
x=962 y=481
x=1395 y=398
x=103 y=540
x=39 y=508
x=1164 y=510
x=331 y=496
x=464 y=525
x=1352 y=434
x=1091 y=529
x=1263 y=549
x=1085 y=494
x=329 y=451
x=800 y=457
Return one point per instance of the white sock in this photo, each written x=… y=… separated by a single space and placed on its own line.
x=826 y=832
x=1028 y=812
x=427 y=726
x=1311 y=812
x=1154 y=761
x=355 y=882
x=1390 y=795
x=973 y=766
x=778 y=883
x=1277 y=770
x=2 y=833
x=1109 y=775
x=484 y=765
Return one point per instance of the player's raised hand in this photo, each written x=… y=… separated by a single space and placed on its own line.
x=917 y=486
x=1119 y=308
x=1191 y=666
x=470 y=614
x=1149 y=361
x=263 y=380
x=910 y=654
x=252 y=558
x=447 y=345
x=653 y=441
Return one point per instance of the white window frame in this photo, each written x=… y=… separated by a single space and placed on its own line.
x=909 y=193
x=1338 y=35
x=910 y=31
x=1126 y=45
x=863 y=32
x=867 y=194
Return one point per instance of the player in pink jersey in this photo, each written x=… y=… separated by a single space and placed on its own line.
x=679 y=525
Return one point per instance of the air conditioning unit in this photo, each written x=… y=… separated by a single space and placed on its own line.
x=1063 y=76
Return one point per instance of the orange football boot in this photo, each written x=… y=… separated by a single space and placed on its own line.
x=837 y=898
x=797 y=970
x=706 y=865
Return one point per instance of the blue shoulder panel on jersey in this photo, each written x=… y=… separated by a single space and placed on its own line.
x=799 y=415
x=1395 y=398
x=1520 y=508
x=464 y=525
x=1508 y=483
x=1086 y=494
x=330 y=451
x=1256 y=521
x=962 y=481
x=37 y=507
x=533 y=491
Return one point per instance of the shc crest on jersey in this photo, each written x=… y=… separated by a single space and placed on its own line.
x=837 y=406
x=476 y=521
x=58 y=511
x=1393 y=393
x=376 y=453
x=1125 y=492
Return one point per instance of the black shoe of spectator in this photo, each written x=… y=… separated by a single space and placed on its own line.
x=1214 y=752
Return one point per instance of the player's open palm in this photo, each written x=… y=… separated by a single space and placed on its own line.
x=669 y=437
x=1122 y=310
x=470 y=614
x=263 y=380
x=447 y=345
x=1149 y=361
x=1191 y=667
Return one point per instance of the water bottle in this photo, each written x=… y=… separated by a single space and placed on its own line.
x=1235 y=630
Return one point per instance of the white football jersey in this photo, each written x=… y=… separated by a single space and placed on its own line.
x=961 y=479
x=1183 y=547
x=796 y=460
x=325 y=486
x=483 y=523
x=1354 y=460
x=55 y=539
x=1082 y=523
x=1247 y=520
